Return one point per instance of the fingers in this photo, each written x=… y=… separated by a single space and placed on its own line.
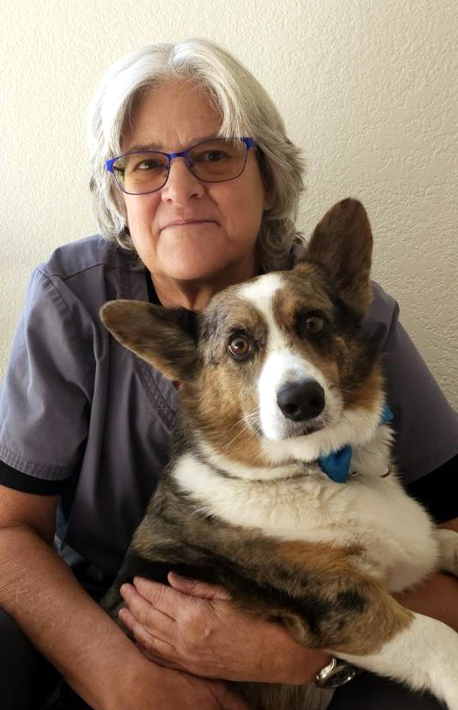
x=146 y=612
x=195 y=588
x=150 y=644
x=165 y=599
x=160 y=625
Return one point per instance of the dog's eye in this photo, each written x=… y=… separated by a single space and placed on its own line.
x=239 y=347
x=314 y=324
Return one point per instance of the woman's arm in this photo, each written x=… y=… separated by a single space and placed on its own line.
x=40 y=592
x=450 y=525
x=437 y=596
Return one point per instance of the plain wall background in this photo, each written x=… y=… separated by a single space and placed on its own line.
x=367 y=88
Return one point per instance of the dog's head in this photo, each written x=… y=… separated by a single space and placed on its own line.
x=278 y=367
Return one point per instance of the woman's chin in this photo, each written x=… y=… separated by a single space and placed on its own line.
x=193 y=264
x=191 y=271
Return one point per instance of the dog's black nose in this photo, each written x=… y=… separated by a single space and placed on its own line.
x=300 y=401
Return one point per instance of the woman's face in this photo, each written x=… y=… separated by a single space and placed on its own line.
x=219 y=243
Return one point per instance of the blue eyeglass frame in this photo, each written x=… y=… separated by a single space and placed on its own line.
x=109 y=164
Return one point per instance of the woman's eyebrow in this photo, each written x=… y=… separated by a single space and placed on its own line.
x=159 y=147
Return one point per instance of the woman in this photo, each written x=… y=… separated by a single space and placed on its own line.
x=85 y=425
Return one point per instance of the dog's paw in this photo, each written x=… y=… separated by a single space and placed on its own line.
x=448 y=550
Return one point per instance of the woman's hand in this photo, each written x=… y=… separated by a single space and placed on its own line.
x=195 y=627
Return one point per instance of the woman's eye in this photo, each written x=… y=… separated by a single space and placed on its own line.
x=148 y=165
x=239 y=347
x=314 y=324
x=213 y=156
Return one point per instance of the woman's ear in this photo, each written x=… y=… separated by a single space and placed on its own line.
x=165 y=337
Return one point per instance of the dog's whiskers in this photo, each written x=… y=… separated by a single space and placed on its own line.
x=240 y=423
x=252 y=419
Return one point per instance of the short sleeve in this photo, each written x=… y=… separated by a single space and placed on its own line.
x=45 y=395
x=426 y=424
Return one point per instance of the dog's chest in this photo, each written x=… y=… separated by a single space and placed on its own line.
x=372 y=513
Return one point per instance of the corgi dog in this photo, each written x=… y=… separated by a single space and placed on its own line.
x=281 y=487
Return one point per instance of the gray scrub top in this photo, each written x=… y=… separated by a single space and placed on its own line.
x=78 y=408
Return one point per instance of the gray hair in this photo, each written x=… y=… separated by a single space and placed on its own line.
x=246 y=110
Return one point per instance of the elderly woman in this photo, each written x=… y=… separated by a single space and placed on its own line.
x=85 y=425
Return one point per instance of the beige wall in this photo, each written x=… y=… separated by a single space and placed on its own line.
x=368 y=88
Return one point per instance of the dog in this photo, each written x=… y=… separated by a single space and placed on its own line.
x=280 y=384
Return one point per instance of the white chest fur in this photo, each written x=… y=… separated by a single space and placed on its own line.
x=369 y=510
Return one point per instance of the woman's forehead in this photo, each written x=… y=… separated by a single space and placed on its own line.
x=171 y=116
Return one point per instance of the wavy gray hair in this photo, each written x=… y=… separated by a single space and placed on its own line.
x=246 y=110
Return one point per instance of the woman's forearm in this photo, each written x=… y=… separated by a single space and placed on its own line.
x=436 y=597
x=40 y=592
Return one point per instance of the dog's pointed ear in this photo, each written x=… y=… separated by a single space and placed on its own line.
x=165 y=337
x=341 y=245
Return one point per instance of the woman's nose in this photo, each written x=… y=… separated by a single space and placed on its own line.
x=181 y=184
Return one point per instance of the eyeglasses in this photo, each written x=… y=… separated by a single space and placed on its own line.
x=215 y=160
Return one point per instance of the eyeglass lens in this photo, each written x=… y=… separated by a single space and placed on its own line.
x=212 y=161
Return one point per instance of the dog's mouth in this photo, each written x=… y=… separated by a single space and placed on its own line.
x=287 y=430
x=294 y=431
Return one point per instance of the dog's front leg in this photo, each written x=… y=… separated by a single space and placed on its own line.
x=424 y=656
x=360 y=622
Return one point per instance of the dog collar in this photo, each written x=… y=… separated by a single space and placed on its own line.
x=337 y=465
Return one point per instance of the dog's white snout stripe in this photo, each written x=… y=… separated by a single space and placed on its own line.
x=281 y=367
